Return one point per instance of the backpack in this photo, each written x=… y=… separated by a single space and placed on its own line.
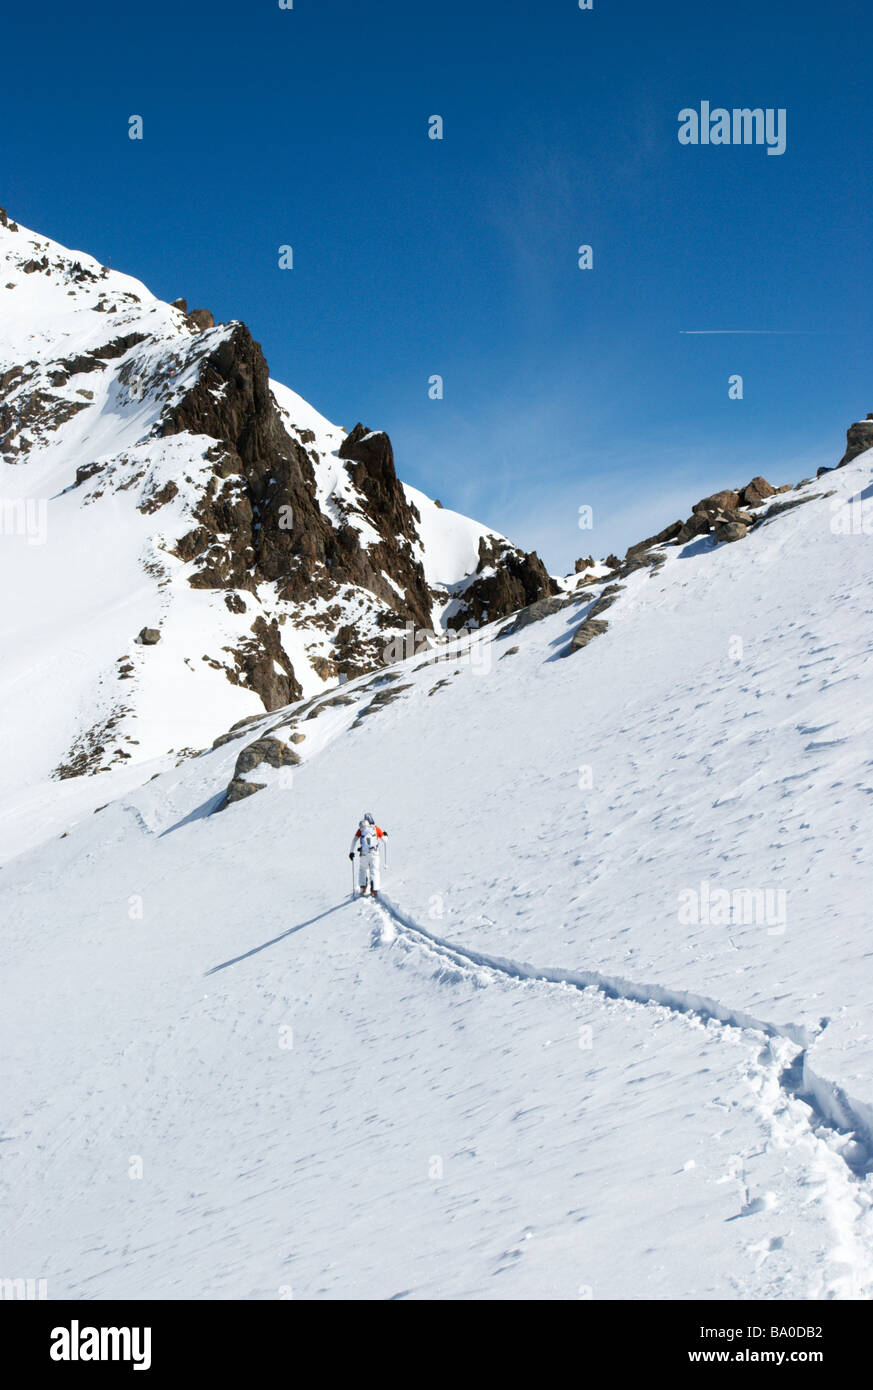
x=369 y=838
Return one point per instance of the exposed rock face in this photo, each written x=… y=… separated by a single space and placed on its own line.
x=270 y=751
x=698 y=524
x=717 y=502
x=534 y=613
x=756 y=492
x=244 y=537
x=859 y=437
x=201 y=319
x=669 y=533
x=594 y=625
x=777 y=508
x=259 y=519
x=370 y=464
x=585 y=632
x=731 y=531
x=239 y=789
x=607 y=598
x=256 y=661
x=639 y=560
x=515 y=580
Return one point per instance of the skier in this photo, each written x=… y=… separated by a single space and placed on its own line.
x=366 y=841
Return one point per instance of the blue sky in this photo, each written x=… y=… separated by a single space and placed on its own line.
x=308 y=127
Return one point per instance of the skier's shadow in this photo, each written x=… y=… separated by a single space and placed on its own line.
x=290 y=932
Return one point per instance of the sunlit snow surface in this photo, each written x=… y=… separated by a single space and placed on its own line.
x=522 y=1075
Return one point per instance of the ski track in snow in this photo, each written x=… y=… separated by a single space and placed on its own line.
x=805 y=1114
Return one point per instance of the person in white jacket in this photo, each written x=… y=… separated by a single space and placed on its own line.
x=366 y=840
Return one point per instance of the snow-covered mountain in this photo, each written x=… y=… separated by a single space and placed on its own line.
x=607 y=1035
x=185 y=541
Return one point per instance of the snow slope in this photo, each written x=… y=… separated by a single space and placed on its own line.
x=546 y=1065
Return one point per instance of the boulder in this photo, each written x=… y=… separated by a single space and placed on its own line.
x=533 y=613
x=639 y=560
x=592 y=627
x=149 y=636
x=717 y=501
x=271 y=751
x=756 y=492
x=201 y=319
x=229 y=737
x=731 y=531
x=668 y=534
x=249 y=719
x=238 y=789
x=698 y=524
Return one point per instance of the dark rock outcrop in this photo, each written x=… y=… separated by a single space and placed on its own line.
x=859 y=437
x=698 y=524
x=201 y=319
x=593 y=624
x=149 y=636
x=270 y=751
x=534 y=613
x=669 y=533
x=717 y=502
x=238 y=789
x=516 y=581
x=756 y=492
x=731 y=531
x=585 y=633
x=256 y=660
x=259 y=519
